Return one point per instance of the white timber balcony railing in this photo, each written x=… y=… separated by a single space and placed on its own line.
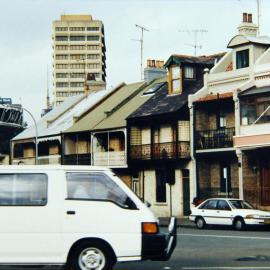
x=110 y=159
x=51 y=159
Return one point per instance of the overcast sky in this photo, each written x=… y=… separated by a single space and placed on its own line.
x=26 y=50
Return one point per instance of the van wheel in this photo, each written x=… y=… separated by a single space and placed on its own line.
x=200 y=223
x=92 y=255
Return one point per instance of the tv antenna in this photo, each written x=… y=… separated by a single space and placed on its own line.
x=195 y=32
x=142 y=28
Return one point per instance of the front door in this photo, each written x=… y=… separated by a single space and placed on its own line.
x=186 y=193
x=265 y=184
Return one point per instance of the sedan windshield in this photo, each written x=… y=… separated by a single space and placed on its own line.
x=237 y=204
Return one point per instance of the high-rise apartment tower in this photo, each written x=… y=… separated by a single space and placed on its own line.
x=78 y=56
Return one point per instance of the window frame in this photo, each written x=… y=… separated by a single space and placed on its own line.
x=131 y=206
x=240 y=61
x=30 y=205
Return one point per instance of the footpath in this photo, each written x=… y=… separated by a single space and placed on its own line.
x=181 y=222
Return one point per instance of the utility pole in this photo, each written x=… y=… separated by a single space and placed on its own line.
x=141 y=41
x=195 y=45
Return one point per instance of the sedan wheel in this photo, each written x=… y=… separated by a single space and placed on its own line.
x=239 y=224
x=200 y=223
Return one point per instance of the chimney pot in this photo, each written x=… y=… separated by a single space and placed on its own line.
x=250 y=18
x=245 y=15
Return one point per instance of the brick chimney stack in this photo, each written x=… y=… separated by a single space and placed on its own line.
x=247 y=27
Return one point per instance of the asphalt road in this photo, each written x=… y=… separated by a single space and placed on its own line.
x=210 y=249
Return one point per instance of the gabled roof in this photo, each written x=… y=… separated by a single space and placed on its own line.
x=111 y=113
x=62 y=116
x=188 y=59
x=242 y=40
x=162 y=103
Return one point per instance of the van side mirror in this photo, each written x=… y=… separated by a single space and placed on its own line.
x=148 y=204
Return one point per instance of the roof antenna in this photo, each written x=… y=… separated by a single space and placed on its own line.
x=48 y=93
x=259 y=14
x=195 y=45
x=141 y=41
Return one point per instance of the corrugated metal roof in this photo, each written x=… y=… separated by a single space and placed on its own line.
x=107 y=110
x=118 y=118
x=62 y=116
x=255 y=91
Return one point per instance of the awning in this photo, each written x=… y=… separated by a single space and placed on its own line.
x=252 y=141
x=53 y=138
x=212 y=97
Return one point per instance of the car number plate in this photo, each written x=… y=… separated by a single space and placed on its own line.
x=267 y=221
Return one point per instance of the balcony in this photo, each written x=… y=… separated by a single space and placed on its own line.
x=212 y=139
x=158 y=151
x=51 y=159
x=77 y=159
x=110 y=159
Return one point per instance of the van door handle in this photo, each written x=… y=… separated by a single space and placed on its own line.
x=71 y=212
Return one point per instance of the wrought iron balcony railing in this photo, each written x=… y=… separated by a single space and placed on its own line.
x=156 y=151
x=211 y=139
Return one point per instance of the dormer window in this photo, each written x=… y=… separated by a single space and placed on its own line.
x=242 y=59
x=189 y=73
x=175 y=80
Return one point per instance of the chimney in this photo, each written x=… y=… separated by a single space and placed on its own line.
x=154 y=69
x=247 y=27
x=245 y=17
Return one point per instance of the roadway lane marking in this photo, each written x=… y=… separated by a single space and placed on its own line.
x=224 y=236
x=225 y=267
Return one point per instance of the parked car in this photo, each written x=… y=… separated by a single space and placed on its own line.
x=82 y=216
x=224 y=211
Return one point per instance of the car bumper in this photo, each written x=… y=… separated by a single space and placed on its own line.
x=160 y=246
x=257 y=221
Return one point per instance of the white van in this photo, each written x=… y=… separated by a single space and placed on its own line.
x=81 y=216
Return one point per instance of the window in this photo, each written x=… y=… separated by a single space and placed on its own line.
x=77 y=66
x=61 y=66
x=221 y=120
x=93 y=56
x=61 y=75
x=76 y=84
x=95 y=186
x=189 y=73
x=92 y=47
x=175 y=79
x=135 y=183
x=223 y=205
x=23 y=189
x=92 y=28
x=93 y=65
x=76 y=28
x=77 y=38
x=77 y=47
x=242 y=59
x=153 y=89
x=77 y=75
x=61 y=47
x=61 y=84
x=160 y=186
x=210 y=205
x=77 y=56
x=61 y=38
x=93 y=38
x=61 y=28
x=61 y=57
x=255 y=109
